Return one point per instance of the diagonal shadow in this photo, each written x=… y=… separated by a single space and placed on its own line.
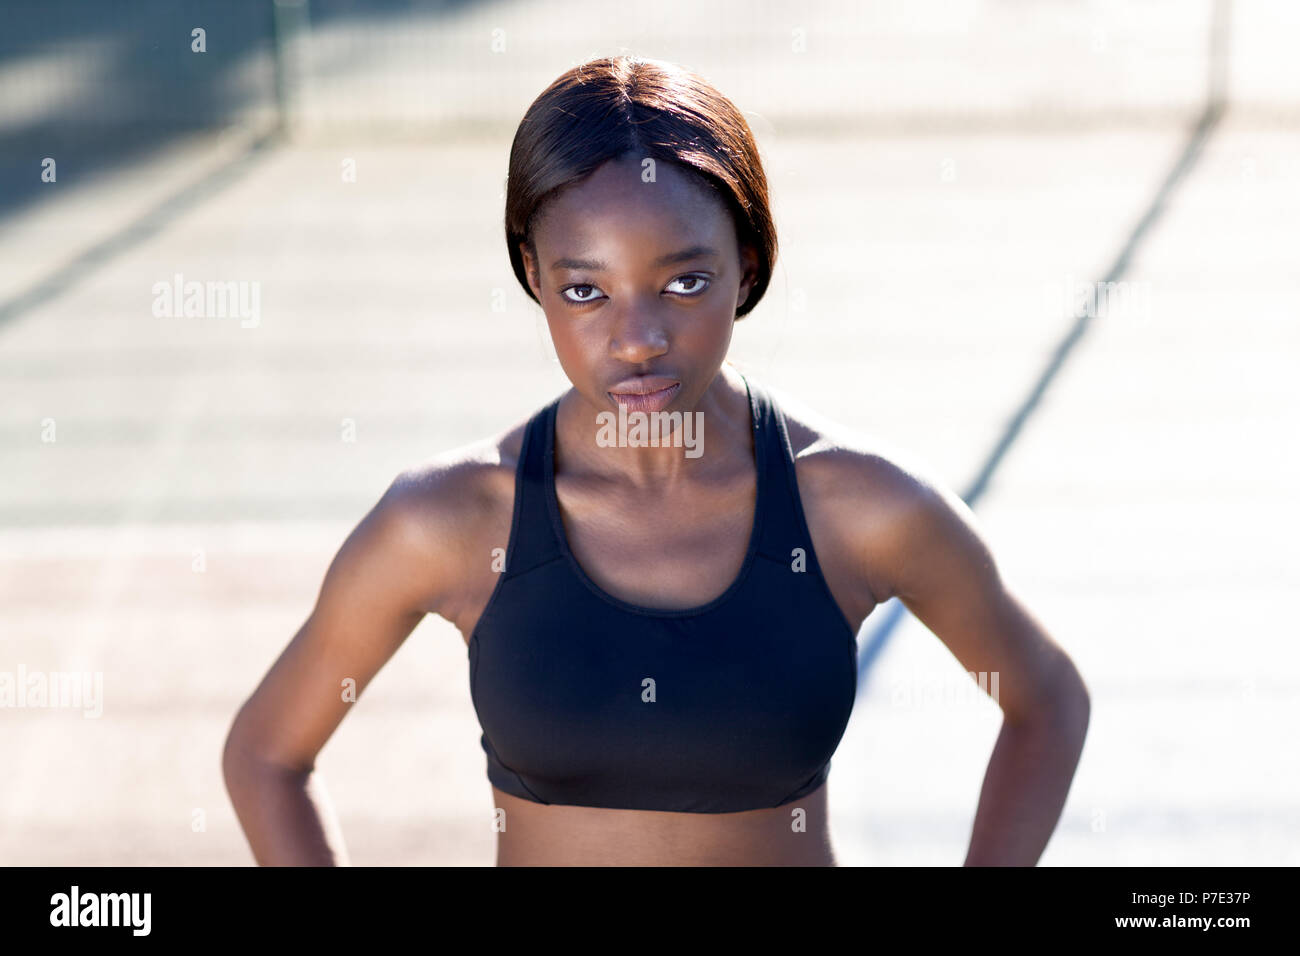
x=1209 y=118
x=143 y=227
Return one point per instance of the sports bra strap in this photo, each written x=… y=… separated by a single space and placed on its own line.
x=532 y=539
x=783 y=527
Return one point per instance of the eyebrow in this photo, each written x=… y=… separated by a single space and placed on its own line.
x=596 y=265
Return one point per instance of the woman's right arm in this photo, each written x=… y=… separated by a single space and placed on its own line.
x=394 y=567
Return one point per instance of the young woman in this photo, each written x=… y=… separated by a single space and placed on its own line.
x=661 y=636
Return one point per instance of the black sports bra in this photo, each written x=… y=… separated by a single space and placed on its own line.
x=587 y=700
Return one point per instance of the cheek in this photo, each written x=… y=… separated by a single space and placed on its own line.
x=574 y=350
x=709 y=333
x=573 y=333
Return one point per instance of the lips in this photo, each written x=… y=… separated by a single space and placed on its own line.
x=648 y=394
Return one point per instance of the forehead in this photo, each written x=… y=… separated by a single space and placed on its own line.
x=628 y=195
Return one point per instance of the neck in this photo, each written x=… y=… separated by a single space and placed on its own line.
x=656 y=448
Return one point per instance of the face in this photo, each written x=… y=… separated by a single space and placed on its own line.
x=640 y=283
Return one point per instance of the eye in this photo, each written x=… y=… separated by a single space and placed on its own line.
x=585 y=294
x=697 y=284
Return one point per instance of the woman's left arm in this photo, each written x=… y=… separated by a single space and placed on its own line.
x=929 y=552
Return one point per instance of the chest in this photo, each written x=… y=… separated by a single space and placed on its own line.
x=672 y=551
x=735 y=706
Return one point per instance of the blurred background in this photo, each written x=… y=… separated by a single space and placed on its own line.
x=1049 y=248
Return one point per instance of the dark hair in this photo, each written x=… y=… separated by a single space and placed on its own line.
x=611 y=106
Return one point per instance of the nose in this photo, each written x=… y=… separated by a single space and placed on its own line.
x=638 y=336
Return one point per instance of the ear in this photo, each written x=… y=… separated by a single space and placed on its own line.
x=749 y=274
x=530 y=270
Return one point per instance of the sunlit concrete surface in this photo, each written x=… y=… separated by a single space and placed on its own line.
x=173 y=535
x=1148 y=516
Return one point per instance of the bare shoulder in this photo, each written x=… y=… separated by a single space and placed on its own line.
x=877 y=500
x=451 y=508
x=449 y=492
x=867 y=469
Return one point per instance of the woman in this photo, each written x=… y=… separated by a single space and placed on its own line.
x=661 y=634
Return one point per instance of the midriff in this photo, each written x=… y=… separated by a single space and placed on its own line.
x=538 y=834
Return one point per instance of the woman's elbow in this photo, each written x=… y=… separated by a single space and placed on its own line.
x=1067 y=703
